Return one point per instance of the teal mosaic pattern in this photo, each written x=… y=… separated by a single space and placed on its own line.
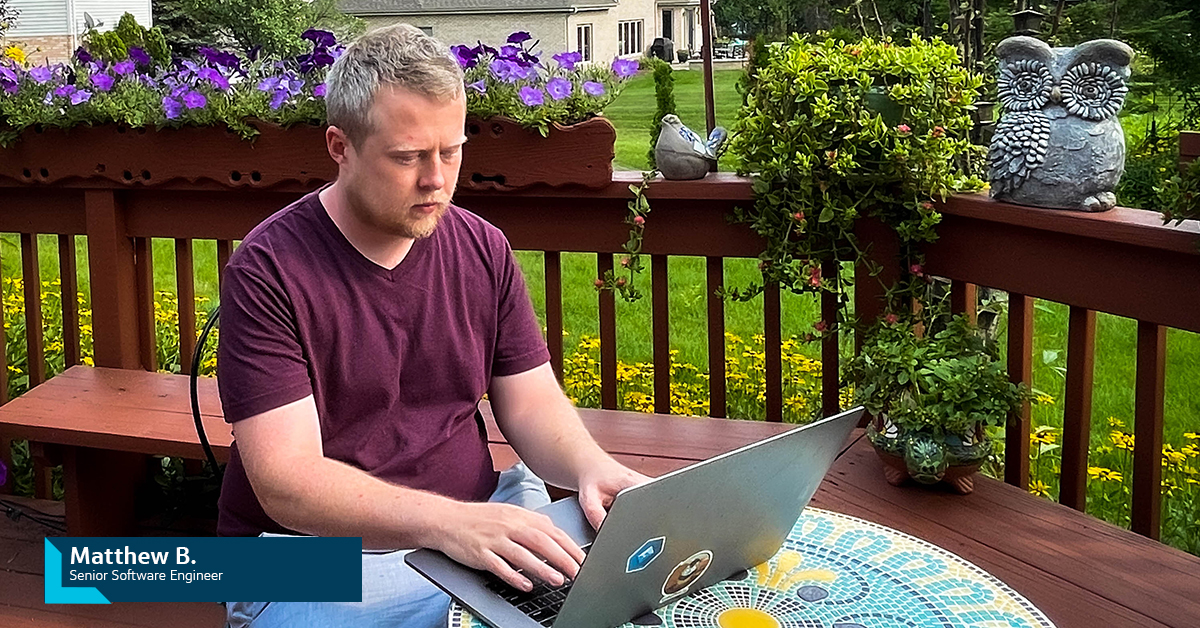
x=836 y=571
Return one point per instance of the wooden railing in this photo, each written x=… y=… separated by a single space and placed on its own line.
x=1123 y=262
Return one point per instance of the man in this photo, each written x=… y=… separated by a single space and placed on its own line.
x=360 y=328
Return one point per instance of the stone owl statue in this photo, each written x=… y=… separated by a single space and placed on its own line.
x=1058 y=143
x=682 y=154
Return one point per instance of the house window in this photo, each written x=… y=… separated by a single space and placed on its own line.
x=583 y=41
x=629 y=37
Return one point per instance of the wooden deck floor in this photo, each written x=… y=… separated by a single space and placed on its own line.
x=1082 y=572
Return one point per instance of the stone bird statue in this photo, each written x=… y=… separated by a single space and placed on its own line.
x=681 y=154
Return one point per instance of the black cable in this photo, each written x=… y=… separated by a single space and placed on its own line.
x=195 y=378
x=852 y=444
x=39 y=513
x=16 y=513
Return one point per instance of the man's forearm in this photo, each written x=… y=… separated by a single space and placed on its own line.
x=552 y=440
x=332 y=498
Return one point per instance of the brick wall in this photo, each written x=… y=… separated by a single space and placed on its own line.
x=54 y=48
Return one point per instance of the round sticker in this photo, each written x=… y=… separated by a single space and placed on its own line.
x=686 y=573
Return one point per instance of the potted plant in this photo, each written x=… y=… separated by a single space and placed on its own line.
x=933 y=397
x=125 y=113
x=531 y=120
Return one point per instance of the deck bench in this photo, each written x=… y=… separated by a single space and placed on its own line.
x=1081 y=571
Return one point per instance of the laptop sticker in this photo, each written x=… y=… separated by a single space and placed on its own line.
x=645 y=554
x=686 y=573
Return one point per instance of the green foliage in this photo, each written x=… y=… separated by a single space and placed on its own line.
x=182 y=31
x=107 y=46
x=276 y=25
x=941 y=383
x=8 y=16
x=838 y=132
x=664 y=96
x=1179 y=196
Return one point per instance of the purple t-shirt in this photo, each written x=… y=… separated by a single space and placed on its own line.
x=396 y=360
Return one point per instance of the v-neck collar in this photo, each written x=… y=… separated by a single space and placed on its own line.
x=416 y=251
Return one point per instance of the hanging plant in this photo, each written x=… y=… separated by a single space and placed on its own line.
x=836 y=132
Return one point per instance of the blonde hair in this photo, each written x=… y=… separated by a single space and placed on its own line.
x=400 y=55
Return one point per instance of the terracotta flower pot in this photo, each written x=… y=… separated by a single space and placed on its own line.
x=927 y=459
x=502 y=155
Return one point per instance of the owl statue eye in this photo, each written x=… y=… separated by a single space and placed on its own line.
x=1025 y=85
x=1093 y=91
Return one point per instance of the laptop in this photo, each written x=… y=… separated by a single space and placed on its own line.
x=664 y=539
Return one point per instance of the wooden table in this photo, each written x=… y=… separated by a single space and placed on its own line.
x=1082 y=572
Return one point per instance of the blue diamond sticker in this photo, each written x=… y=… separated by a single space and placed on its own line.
x=645 y=554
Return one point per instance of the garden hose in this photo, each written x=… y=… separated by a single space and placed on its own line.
x=195 y=378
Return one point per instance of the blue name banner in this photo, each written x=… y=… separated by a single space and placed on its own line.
x=100 y=570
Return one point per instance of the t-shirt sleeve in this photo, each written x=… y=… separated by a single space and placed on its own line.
x=260 y=363
x=519 y=342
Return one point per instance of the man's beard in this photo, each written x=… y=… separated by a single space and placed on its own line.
x=397 y=222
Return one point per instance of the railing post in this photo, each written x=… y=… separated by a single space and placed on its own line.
x=1077 y=411
x=114 y=286
x=1148 y=429
x=1189 y=147
x=831 y=402
x=1020 y=370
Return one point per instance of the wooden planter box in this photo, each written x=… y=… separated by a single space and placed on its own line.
x=500 y=155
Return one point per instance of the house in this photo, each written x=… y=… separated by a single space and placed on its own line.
x=50 y=29
x=599 y=29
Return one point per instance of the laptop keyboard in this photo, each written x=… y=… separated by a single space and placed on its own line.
x=541 y=604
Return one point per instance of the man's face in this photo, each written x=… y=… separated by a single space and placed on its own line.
x=401 y=177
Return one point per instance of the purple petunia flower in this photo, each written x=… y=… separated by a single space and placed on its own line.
x=41 y=74
x=478 y=86
x=507 y=71
x=319 y=91
x=173 y=108
x=139 y=56
x=519 y=37
x=222 y=58
x=80 y=96
x=194 y=100
x=559 y=88
x=63 y=91
x=625 y=68
x=83 y=55
x=278 y=98
x=532 y=96
x=124 y=67
x=510 y=52
x=466 y=57
x=270 y=83
x=592 y=88
x=567 y=60
x=217 y=79
x=319 y=37
x=8 y=79
x=103 y=82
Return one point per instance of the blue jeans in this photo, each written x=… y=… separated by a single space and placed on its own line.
x=393 y=594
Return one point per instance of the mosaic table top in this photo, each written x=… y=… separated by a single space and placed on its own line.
x=837 y=571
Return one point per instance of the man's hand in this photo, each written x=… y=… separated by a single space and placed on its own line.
x=501 y=538
x=599 y=485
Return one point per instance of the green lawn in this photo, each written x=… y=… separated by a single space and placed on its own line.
x=633 y=111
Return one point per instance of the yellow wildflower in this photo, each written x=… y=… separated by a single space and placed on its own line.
x=1115 y=422
x=1191 y=451
x=1191 y=436
x=1043 y=399
x=1105 y=474
x=1043 y=436
x=15 y=53
x=1038 y=487
x=1172 y=457
x=1123 y=440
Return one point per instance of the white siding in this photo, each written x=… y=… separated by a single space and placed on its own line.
x=50 y=17
x=40 y=17
x=110 y=12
